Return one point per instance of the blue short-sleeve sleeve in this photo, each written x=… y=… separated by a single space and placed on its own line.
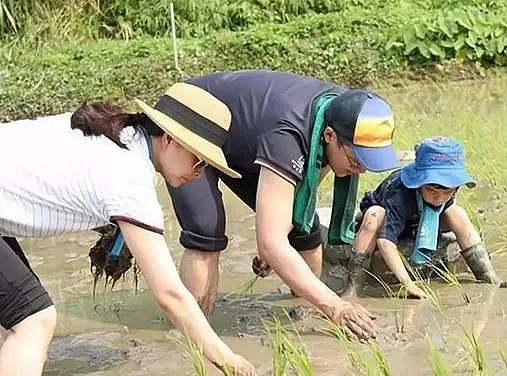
x=396 y=218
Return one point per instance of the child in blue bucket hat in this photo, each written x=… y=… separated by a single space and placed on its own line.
x=419 y=198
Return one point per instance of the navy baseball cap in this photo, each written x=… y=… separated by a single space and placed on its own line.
x=367 y=122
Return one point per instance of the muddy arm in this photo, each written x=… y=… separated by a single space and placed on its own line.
x=392 y=258
x=275 y=198
x=159 y=271
x=273 y=223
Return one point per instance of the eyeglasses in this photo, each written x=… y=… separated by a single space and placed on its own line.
x=199 y=166
x=354 y=163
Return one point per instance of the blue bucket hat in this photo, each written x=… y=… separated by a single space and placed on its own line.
x=438 y=160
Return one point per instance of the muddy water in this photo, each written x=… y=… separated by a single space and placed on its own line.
x=123 y=333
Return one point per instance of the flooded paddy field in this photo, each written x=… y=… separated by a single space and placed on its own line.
x=122 y=332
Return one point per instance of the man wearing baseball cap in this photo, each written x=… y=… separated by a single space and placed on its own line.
x=286 y=132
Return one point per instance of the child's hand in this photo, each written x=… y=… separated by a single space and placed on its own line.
x=412 y=291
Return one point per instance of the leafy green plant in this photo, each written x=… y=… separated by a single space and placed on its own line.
x=126 y=18
x=469 y=32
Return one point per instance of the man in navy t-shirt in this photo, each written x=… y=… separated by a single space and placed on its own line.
x=273 y=119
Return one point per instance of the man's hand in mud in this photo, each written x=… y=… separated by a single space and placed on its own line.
x=238 y=366
x=411 y=291
x=260 y=267
x=355 y=320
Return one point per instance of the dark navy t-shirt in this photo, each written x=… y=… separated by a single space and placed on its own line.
x=400 y=204
x=271 y=114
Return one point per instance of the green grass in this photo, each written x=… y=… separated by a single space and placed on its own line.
x=125 y=18
x=52 y=67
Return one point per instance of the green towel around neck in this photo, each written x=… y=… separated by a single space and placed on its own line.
x=341 y=228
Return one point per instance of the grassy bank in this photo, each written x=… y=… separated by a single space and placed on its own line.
x=355 y=43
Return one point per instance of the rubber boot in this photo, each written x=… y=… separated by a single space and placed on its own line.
x=359 y=263
x=336 y=277
x=479 y=262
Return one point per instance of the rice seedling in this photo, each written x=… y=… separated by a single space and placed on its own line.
x=383 y=367
x=375 y=364
x=436 y=363
x=194 y=353
x=472 y=212
x=359 y=363
x=244 y=288
x=424 y=284
x=475 y=352
x=503 y=358
x=451 y=279
x=400 y=311
x=285 y=353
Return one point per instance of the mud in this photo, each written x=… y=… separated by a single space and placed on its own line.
x=86 y=353
x=122 y=332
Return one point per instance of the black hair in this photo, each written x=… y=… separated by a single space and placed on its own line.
x=97 y=119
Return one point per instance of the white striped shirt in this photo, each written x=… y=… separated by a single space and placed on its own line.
x=55 y=180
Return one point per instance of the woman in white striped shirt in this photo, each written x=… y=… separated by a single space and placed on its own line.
x=58 y=178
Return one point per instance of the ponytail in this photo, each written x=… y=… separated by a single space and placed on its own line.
x=104 y=119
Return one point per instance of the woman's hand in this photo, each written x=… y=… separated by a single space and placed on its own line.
x=237 y=366
x=161 y=276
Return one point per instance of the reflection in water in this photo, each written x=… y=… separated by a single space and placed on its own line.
x=121 y=332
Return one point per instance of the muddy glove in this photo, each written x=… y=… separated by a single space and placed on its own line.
x=479 y=262
x=113 y=266
x=260 y=267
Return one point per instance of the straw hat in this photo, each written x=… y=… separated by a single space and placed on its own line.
x=196 y=120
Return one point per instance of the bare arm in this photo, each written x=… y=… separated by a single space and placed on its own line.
x=275 y=198
x=392 y=258
x=153 y=257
